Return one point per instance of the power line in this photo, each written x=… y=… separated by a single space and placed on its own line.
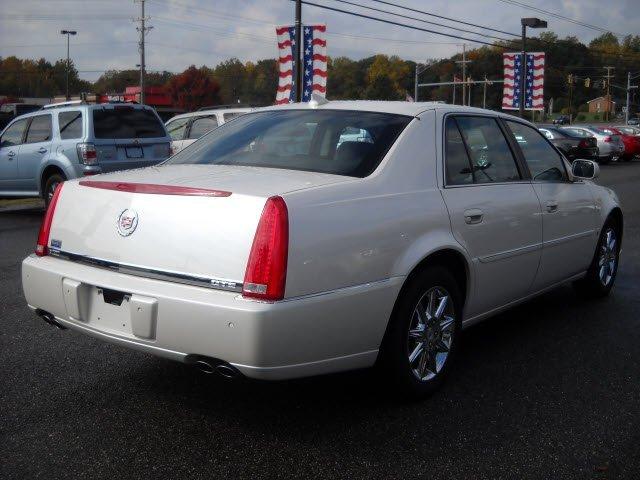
x=557 y=15
x=423 y=21
x=391 y=22
x=445 y=18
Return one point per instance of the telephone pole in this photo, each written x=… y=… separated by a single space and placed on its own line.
x=608 y=76
x=142 y=29
x=464 y=62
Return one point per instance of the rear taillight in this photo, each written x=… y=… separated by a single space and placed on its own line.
x=583 y=144
x=607 y=139
x=87 y=153
x=266 y=273
x=42 y=247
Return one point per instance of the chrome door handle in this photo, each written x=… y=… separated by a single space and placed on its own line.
x=42 y=150
x=473 y=215
x=552 y=206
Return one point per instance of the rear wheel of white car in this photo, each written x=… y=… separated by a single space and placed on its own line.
x=50 y=186
x=422 y=336
x=603 y=269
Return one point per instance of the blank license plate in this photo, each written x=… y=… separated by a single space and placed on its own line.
x=134 y=152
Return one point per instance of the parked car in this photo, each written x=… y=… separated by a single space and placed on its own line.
x=242 y=258
x=70 y=140
x=628 y=129
x=9 y=111
x=187 y=128
x=562 y=120
x=571 y=146
x=610 y=147
x=633 y=121
x=631 y=142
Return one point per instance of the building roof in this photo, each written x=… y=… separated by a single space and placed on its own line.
x=603 y=98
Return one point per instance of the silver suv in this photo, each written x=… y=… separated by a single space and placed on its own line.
x=69 y=140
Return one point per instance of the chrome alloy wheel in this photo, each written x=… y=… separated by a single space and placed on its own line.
x=608 y=257
x=431 y=333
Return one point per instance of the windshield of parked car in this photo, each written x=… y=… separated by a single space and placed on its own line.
x=336 y=142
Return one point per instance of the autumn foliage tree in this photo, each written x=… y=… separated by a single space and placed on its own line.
x=193 y=89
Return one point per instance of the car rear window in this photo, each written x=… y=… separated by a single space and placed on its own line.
x=126 y=122
x=337 y=142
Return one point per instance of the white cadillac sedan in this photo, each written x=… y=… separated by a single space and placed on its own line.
x=308 y=239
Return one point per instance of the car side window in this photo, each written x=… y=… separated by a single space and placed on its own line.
x=70 y=124
x=458 y=166
x=13 y=135
x=202 y=125
x=491 y=158
x=39 y=130
x=544 y=162
x=177 y=127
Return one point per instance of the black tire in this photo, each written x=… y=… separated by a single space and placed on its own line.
x=393 y=361
x=50 y=185
x=593 y=285
x=604 y=160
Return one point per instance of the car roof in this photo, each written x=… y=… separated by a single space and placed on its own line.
x=413 y=109
x=204 y=113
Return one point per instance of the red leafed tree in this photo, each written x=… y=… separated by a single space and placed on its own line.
x=193 y=89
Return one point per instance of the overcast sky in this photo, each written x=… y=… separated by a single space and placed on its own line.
x=204 y=32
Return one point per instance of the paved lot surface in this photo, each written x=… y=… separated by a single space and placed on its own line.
x=548 y=390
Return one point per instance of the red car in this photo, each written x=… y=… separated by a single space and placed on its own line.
x=631 y=142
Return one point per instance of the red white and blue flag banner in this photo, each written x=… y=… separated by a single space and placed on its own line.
x=534 y=81
x=314 y=51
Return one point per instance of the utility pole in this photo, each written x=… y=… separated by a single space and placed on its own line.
x=68 y=33
x=464 y=62
x=484 y=92
x=570 y=78
x=531 y=23
x=626 y=113
x=415 y=92
x=142 y=29
x=608 y=76
x=297 y=67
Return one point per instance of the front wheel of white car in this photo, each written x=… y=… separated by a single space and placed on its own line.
x=423 y=332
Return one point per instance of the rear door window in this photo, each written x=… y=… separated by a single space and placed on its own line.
x=176 y=128
x=230 y=115
x=458 y=165
x=13 y=135
x=202 y=125
x=70 y=124
x=544 y=162
x=39 y=129
x=491 y=158
x=126 y=122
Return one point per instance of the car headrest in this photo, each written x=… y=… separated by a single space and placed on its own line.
x=351 y=157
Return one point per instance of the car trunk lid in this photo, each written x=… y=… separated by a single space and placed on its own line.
x=188 y=223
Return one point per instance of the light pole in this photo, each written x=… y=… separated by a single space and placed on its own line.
x=68 y=33
x=531 y=23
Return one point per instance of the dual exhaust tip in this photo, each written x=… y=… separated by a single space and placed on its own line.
x=204 y=364
x=211 y=366
x=50 y=319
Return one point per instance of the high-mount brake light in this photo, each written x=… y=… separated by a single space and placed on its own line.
x=42 y=247
x=266 y=273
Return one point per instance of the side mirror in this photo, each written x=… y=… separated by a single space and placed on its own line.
x=585 y=169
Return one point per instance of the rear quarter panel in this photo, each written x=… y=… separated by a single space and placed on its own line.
x=371 y=229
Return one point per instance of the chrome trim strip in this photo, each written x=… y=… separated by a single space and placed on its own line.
x=128 y=269
x=568 y=238
x=510 y=253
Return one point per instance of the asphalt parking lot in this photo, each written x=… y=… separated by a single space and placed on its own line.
x=547 y=390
